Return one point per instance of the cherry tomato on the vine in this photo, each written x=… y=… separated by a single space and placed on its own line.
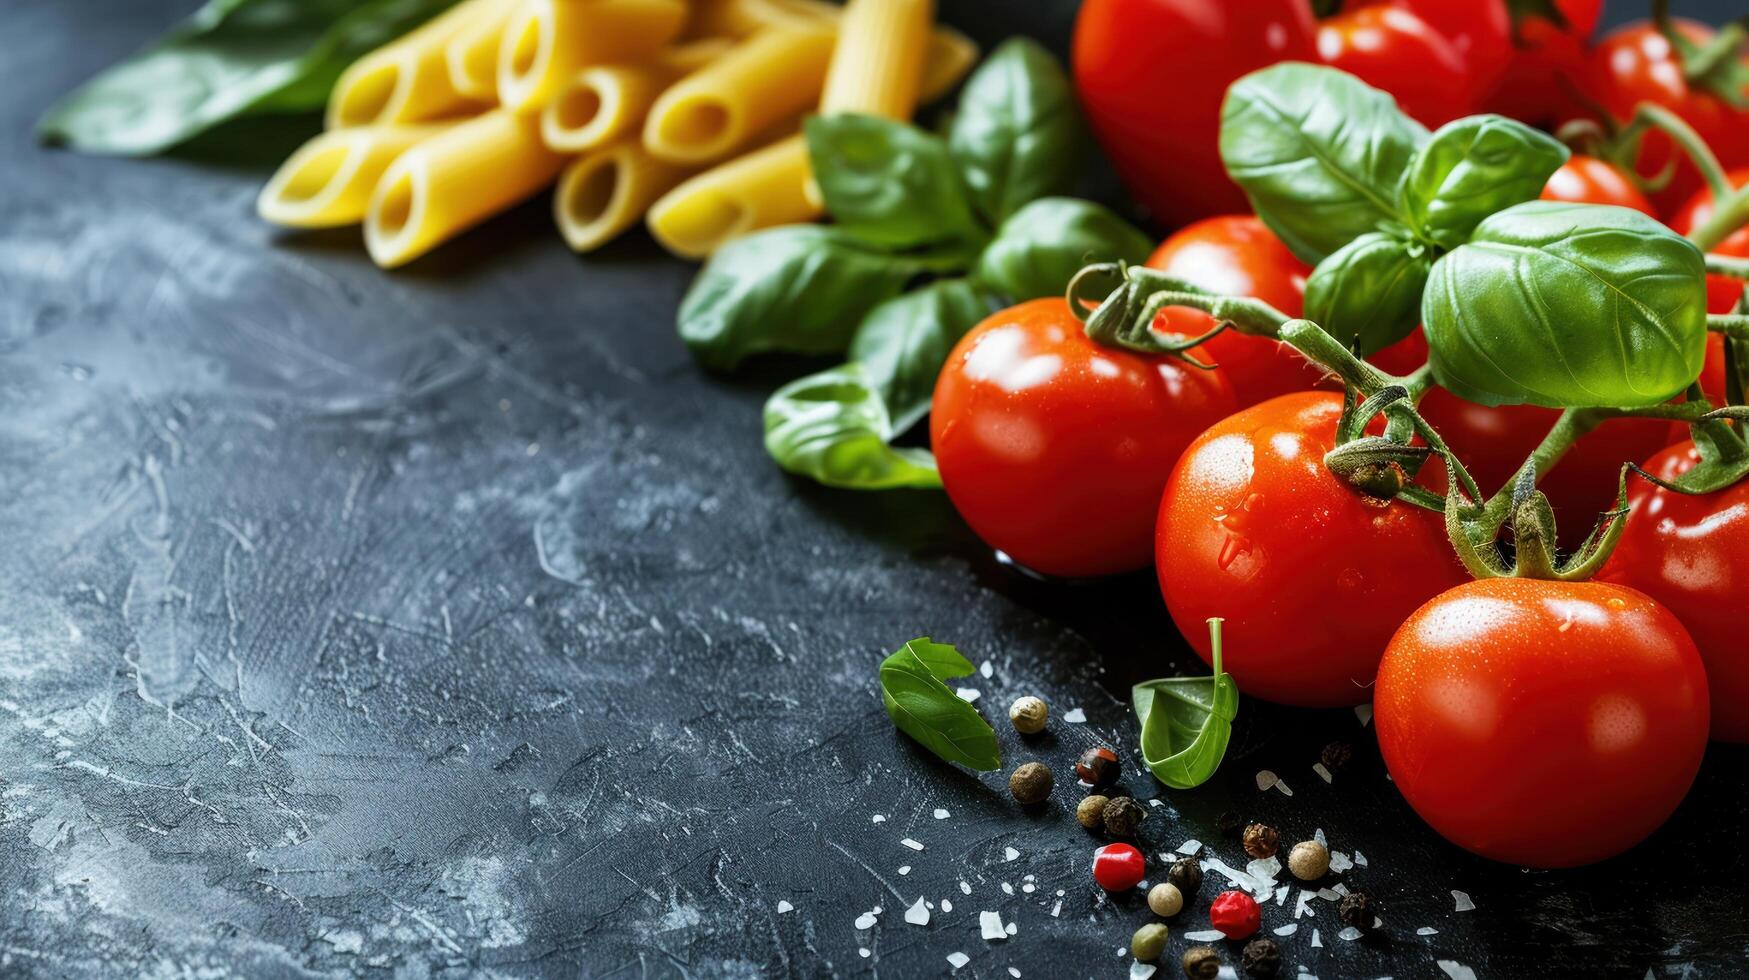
x=1237 y=256
x=1542 y=723
x=1721 y=293
x=1547 y=57
x=1311 y=575
x=1691 y=554
x=1054 y=448
x=1440 y=59
x=1589 y=180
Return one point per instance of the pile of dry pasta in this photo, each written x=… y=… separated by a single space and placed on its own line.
x=684 y=111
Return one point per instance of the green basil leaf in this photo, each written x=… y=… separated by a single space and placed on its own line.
x=1186 y=722
x=929 y=711
x=1567 y=305
x=796 y=288
x=1318 y=152
x=1017 y=136
x=1041 y=247
x=231 y=58
x=1368 y=292
x=889 y=182
x=834 y=427
x=903 y=343
x=1471 y=168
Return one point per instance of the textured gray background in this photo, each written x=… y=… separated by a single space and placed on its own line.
x=452 y=622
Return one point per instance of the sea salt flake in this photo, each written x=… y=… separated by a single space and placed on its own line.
x=1264 y=870
x=990 y=926
x=866 y=920
x=1007 y=889
x=1029 y=888
x=1339 y=862
x=1329 y=894
x=878 y=818
x=1012 y=928
x=1014 y=973
x=913 y=845
x=1075 y=716
x=1156 y=801
x=940 y=814
x=1318 y=835
x=967 y=694
x=1190 y=847
x=783 y=907
x=1316 y=942
x=985 y=669
x=1266 y=779
x=1323 y=773
x=1348 y=934
x=1456 y=970
x=904 y=869
x=957 y=960
x=1009 y=854
x=1281 y=895
x=946 y=905
x=864 y=952
x=1340 y=889
x=1141 y=971
x=1057 y=909
x=965 y=889
x=1359 y=859
x=1281 y=784
x=1463 y=901
x=1287 y=930
x=1303 y=904
x=1363 y=712
x=1427 y=931
x=1205 y=936
x=918 y=914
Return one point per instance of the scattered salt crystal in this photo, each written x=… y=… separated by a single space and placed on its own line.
x=940 y=814
x=1190 y=846
x=918 y=914
x=946 y=905
x=1303 y=905
x=1156 y=801
x=1318 y=835
x=864 y=952
x=1264 y=870
x=1012 y=928
x=990 y=926
x=1329 y=894
x=957 y=960
x=985 y=669
x=1226 y=973
x=1030 y=878
x=1009 y=854
x=1456 y=970
x=1007 y=889
x=1075 y=716
x=1029 y=888
x=1339 y=888
x=1205 y=935
x=1316 y=942
x=1281 y=784
x=1281 y=895
x=783 y=907
x=904 y=869
x=1427 y=931
x=965 y=889
x=1057 y=909
x=1339 y=862
x=967 y=694
x=1348 y=934
x=866 y=920
x=1363 y=712
x=1323 y=773
x=1060 y=893
x=1463 y=901
x=1359 y=859
x=877 y=910
x=1141 y=971
x=1378 y=923
x=878 y=818
x=1013 y=972
x=913 y=845
x=1266 y=779
x=1287 y=930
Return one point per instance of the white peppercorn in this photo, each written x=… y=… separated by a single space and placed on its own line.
x=1309 y=860
x=1028 y=715
x=1165 y=900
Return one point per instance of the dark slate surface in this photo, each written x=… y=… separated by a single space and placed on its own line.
x=451 y=622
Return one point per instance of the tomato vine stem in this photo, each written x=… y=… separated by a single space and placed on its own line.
x=1648 y=115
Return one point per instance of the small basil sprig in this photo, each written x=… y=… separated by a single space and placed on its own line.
x=1017 y=136
x=231 y=58
x=834 y=427
x=1471 y=168
x=1369 y=291
x=929 y=711
x=1041 y=247
x=903 y=342
x=1186 y=722
x=889 y=183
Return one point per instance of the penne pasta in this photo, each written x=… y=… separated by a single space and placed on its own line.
x=743 y=18
x=764 y=80
x=763 y=188
x=329 y=180
x=605 y=192
x=601 y=104
x=444 y=185
x=407 y=80
x=546 y=42
x=877 y=66
x=472 y=55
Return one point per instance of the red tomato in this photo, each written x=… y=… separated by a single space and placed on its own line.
x=1637 y=64
x=1721 y=293
x=1311 y=575
x=1439 y=58
x=1546 y=58
x=1237 y=256
x=1549 y=724
x=1588 y=180
x=1692 y=555
x=1054 y=448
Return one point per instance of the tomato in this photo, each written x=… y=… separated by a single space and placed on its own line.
x=1691 y=554
x=1054 y=448
x=1311 y=575
x=1439 y=58
x=1637 y=64
x=1588 y=180
x=1549 y=724
x=1237 y=256
x=1537 y=86
x=1722 y=293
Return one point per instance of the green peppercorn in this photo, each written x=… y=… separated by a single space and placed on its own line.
x=1122 y=816
x=1148 y=942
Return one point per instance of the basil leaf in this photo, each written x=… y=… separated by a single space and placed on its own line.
x=903 y=343
x=231 y=58
x=1017 y=136
x=1041 y=247
x=888 y=182
x=1318 y=152
x=1471 y=168
x=796 y=288
x=833 y=427
x=1567 y=305
x=1369 y=291
x=1186 y=722
x=929 y=711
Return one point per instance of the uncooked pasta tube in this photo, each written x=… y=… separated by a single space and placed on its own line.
x=716 y=110
x=741 y=18
x=601 y=104
x=547 y=42
x=472 y=55
x=604 y=192
x=761 y=189
x=877 y=66
x=329 y=180
x=407 y=80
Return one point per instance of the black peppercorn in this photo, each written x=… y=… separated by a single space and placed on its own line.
x=1357 y=909
x=1261 y=958
x=1098 y=767
x=1336 y=755
x=1202 y=963
x=1260 y=840
x=1122 y=816
x=1229 y=824
x=1186 y=874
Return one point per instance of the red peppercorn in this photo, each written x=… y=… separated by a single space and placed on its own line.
x=1235 y=914
x=1120 y=867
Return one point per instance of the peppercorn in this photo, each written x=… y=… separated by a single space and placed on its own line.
x=1148 y=942
x=1260 y=840
x=1309 y=860
x=1261 y=958
x=1356 y=909
x=1122 y=816
x=1202 y=963
x=1097 y=767
x=1118 y=867
x=1028 y=715
x=1165 y=900
x=1235 y=914
x=1336 y=755
x=1031 y=783
x=1185 y=875
x=1229 y=824
x=1090 y=812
